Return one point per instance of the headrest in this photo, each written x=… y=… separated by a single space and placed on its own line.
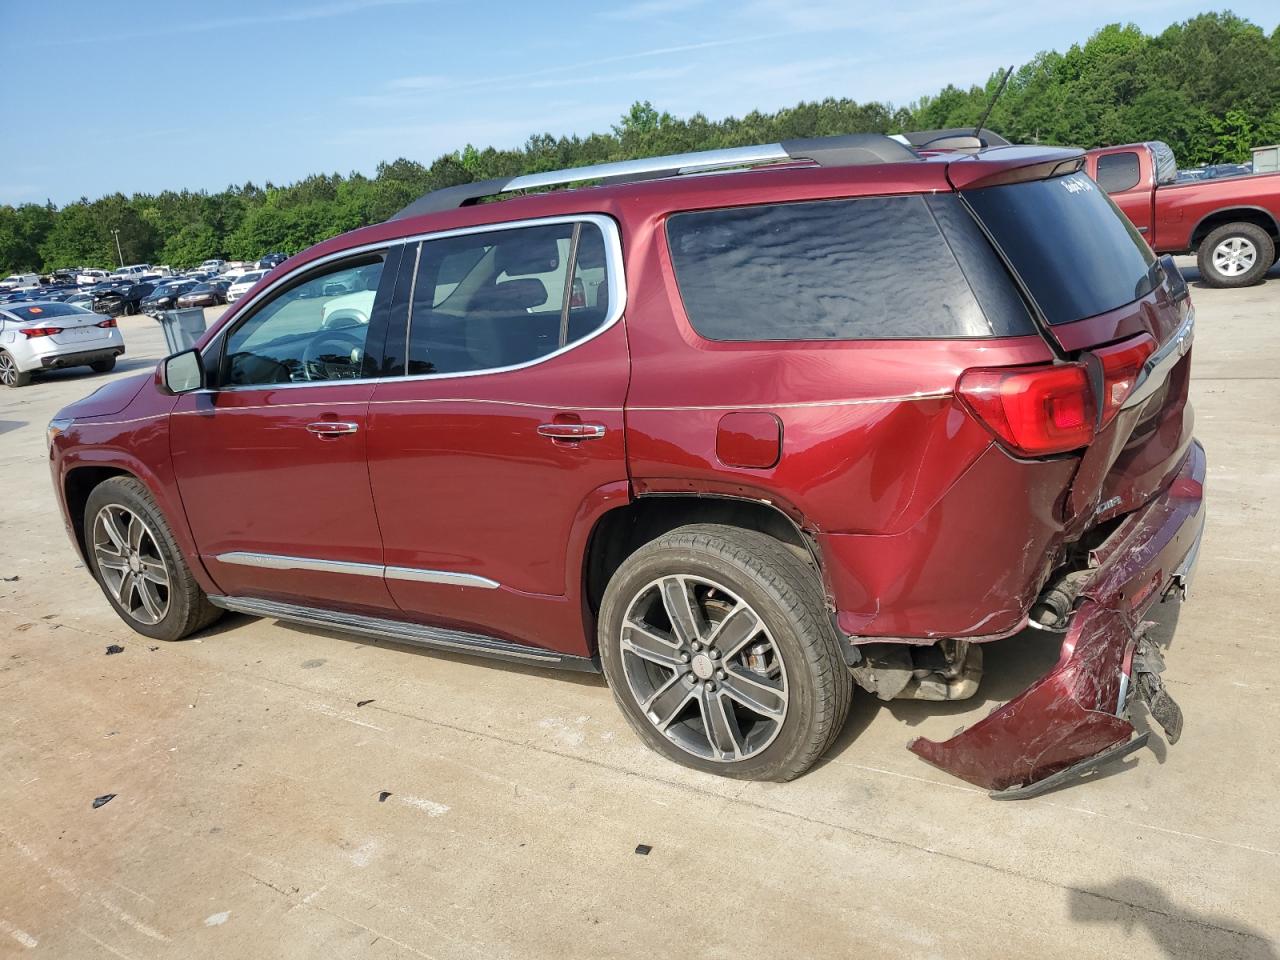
x=529 y=251
x=512 y=295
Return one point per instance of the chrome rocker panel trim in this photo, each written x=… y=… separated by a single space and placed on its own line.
x=399 y=631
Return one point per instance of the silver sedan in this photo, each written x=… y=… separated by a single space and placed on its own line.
x=40 y=335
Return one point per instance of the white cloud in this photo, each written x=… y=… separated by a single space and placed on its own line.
x=337 y=8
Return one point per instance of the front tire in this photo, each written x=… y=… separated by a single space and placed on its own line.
x=1235 y=255
x=136 y=561
x=719 y=651
x=10 y=375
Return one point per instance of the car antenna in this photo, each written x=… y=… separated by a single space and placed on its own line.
x=977 y=131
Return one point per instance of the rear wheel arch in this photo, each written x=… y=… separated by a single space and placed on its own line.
x=623 y=530
x=1255 y=215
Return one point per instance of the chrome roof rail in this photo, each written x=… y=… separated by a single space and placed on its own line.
x=849 y=150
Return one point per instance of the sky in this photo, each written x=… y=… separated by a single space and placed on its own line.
x=148 y=95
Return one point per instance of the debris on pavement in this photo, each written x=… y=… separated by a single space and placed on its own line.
x=114 y=648
x=14 y=579
x=103 y=800
x=382 y=796
x=361 y=703
x=643 y=849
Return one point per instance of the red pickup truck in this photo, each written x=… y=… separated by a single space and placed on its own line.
x=1232 y=224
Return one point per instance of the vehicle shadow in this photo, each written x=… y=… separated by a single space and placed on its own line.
x=1191 y=273
x=7 y=425
x=1132 y=902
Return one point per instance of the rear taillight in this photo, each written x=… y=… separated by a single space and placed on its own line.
x=1121 y=365
x=1036 y=411
x=32 y=332
x=106 y=324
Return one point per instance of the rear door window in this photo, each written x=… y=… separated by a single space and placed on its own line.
x=502 y=298
x=1076 y=252
x=1118 y=172
x=864 y=269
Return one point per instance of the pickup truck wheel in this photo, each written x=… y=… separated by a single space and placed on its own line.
x=718 y=648
x=10 y=375
x=1235 y=255
x=135 y=560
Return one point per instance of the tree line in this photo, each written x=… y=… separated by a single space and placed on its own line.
x=1209 y=87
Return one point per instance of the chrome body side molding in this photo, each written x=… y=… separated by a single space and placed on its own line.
x=399 y=631
x=275 y=561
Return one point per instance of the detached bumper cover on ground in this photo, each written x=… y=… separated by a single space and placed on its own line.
x=1080 y=708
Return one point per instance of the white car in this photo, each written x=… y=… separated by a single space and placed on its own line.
x=87 y=277
x=45 y=335
x=20 y=281
x=243 y=283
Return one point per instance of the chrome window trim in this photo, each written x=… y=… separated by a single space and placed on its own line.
x=614 y=275
x=276 y=561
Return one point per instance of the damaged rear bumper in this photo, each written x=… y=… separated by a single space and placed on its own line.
x=1077 y=715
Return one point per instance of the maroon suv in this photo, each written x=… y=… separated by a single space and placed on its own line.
x=830 y=412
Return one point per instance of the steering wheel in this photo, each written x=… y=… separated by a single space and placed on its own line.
x=336 y=355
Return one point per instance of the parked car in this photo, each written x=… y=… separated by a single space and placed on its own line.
x=1231 y=224
x=82 y=299
x=20 y=281
x=842 y=421
x=90 y=277
x=207 y=294
x=243 y=284
x=271 y=260
x=165 y=296
x=212 y=265
x=133 y=272
x=37 y=335
x=126 y=299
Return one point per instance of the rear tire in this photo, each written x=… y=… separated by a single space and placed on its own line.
x=10 y=375
x=1235 y=255
x=137 y=563
x=103 y=366
x=753 y=685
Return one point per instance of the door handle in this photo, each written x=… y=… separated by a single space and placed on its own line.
x=329 y=429
x=572 y=431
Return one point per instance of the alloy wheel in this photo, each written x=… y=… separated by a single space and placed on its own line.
x=8 y=370
x=704 y=668
x=1234 y=256
x=131 y=564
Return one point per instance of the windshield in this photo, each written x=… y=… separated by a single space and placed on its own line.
x=250 y=277
x=1068 y=242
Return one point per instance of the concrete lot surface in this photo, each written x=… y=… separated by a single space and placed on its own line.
x=247 y=822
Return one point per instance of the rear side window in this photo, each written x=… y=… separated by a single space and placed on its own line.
x=1076 y=252
x=1118 y=172
x=873 y=268
x=501 y=298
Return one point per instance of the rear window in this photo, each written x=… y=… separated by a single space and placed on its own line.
x=1076 y=252
x=1118 y=171
x=864 y=269
x=44 y=311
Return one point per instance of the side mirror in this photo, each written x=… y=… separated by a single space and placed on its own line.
x=183 y=372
